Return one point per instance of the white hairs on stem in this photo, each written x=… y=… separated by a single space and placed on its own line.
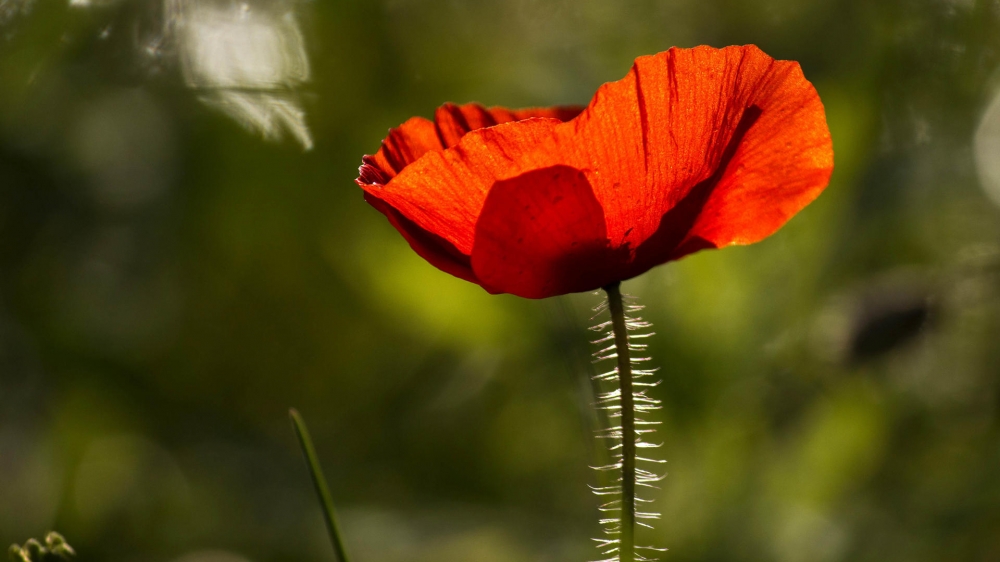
x=609 y=400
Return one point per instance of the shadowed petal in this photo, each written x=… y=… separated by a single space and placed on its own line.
x=542 y=234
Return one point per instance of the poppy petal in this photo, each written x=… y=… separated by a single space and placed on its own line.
x=694 y=148
x=782 y=164
x=542 y=234
x=669 y=127
x=404 y=145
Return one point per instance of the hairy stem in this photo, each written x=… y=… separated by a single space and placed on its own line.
x=627 y=532
x=322 y=490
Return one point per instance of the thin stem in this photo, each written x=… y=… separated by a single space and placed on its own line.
x=322 y=490
x=627 y=534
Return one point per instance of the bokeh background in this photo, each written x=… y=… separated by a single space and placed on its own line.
x=184 y=256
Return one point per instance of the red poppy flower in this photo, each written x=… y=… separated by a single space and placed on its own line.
x=693 y=149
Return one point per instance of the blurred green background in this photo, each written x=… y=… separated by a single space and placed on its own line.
x=171 y=283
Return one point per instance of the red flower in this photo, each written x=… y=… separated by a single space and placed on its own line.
x=693 y=149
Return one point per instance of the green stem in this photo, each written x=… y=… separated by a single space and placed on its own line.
x=626 y=545
x=322 y=490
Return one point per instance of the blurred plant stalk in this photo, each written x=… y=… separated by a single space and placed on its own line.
x=322 y=490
